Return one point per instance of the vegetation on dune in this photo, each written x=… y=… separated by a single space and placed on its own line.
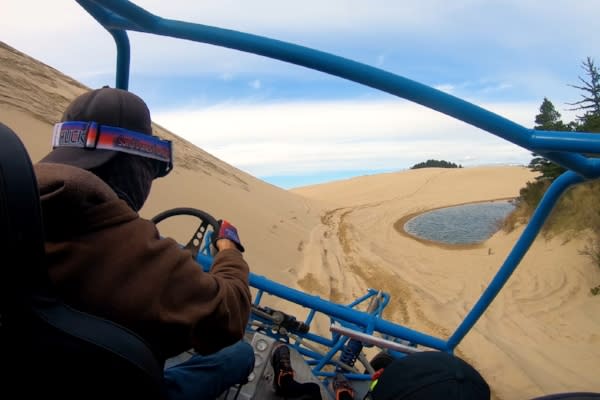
x=436 y=164
x=579 y=208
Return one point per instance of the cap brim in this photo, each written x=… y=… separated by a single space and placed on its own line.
x=82 y=158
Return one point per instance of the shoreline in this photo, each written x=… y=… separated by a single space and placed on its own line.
x=399 y=227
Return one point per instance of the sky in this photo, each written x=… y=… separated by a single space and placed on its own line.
x=292 y=126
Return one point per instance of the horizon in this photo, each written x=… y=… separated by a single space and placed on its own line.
x=294 y=127
x=347 y=175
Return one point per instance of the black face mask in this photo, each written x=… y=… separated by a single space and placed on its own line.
x=130 y=177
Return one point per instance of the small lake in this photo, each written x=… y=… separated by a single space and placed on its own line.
x=465 y=224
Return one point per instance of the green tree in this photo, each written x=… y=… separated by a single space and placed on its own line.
x=581 y=200
x=548 y=119
x=589 y=121
x=436 y=164
x=590 y=98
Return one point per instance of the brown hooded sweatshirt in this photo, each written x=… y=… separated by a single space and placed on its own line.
x=106 y=260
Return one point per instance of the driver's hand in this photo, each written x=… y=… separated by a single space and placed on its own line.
x=223 y=244
x=227 y=237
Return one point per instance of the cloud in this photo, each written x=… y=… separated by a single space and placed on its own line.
x=491 y=87
x=508 y=55
x=463 y=36
x=311 y=137
x=255 y=84
x=446 y=87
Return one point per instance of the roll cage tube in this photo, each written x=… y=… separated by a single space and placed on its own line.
x=572 y=150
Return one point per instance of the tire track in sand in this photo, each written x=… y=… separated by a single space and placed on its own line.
x=341 y=259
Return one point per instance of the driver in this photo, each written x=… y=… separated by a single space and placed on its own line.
x=104 y=259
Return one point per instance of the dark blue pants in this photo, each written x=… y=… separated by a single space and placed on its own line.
x=206 y=377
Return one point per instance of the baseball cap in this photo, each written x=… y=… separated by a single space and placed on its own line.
x=430 y=375
x=105 y=106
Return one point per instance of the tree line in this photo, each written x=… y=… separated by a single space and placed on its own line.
x=549 y=119
x=579 y=208
x=436 y=164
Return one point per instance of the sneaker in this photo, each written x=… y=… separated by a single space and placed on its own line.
x=282 y=368
x=341 y=387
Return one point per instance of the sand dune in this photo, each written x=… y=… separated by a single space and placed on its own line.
x=541 y=335
x=32 y=97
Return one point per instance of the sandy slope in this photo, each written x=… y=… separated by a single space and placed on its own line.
x=542 y=333
x=32 y=97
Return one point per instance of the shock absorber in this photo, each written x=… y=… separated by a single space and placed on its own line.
x=351 y=352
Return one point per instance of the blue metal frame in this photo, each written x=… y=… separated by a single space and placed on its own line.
x=569 y=149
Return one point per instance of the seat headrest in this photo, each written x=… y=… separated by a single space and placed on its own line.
x=21 y=228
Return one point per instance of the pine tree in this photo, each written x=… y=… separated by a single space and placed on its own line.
x=590 y=98
x=547 y=120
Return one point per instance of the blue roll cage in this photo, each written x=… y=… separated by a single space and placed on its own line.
x=572 y=150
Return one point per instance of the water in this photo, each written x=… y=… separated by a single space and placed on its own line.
x=466 y=224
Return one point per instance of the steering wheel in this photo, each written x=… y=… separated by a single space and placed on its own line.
x=206 y=221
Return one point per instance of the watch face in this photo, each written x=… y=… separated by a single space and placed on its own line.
x=261 y=345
